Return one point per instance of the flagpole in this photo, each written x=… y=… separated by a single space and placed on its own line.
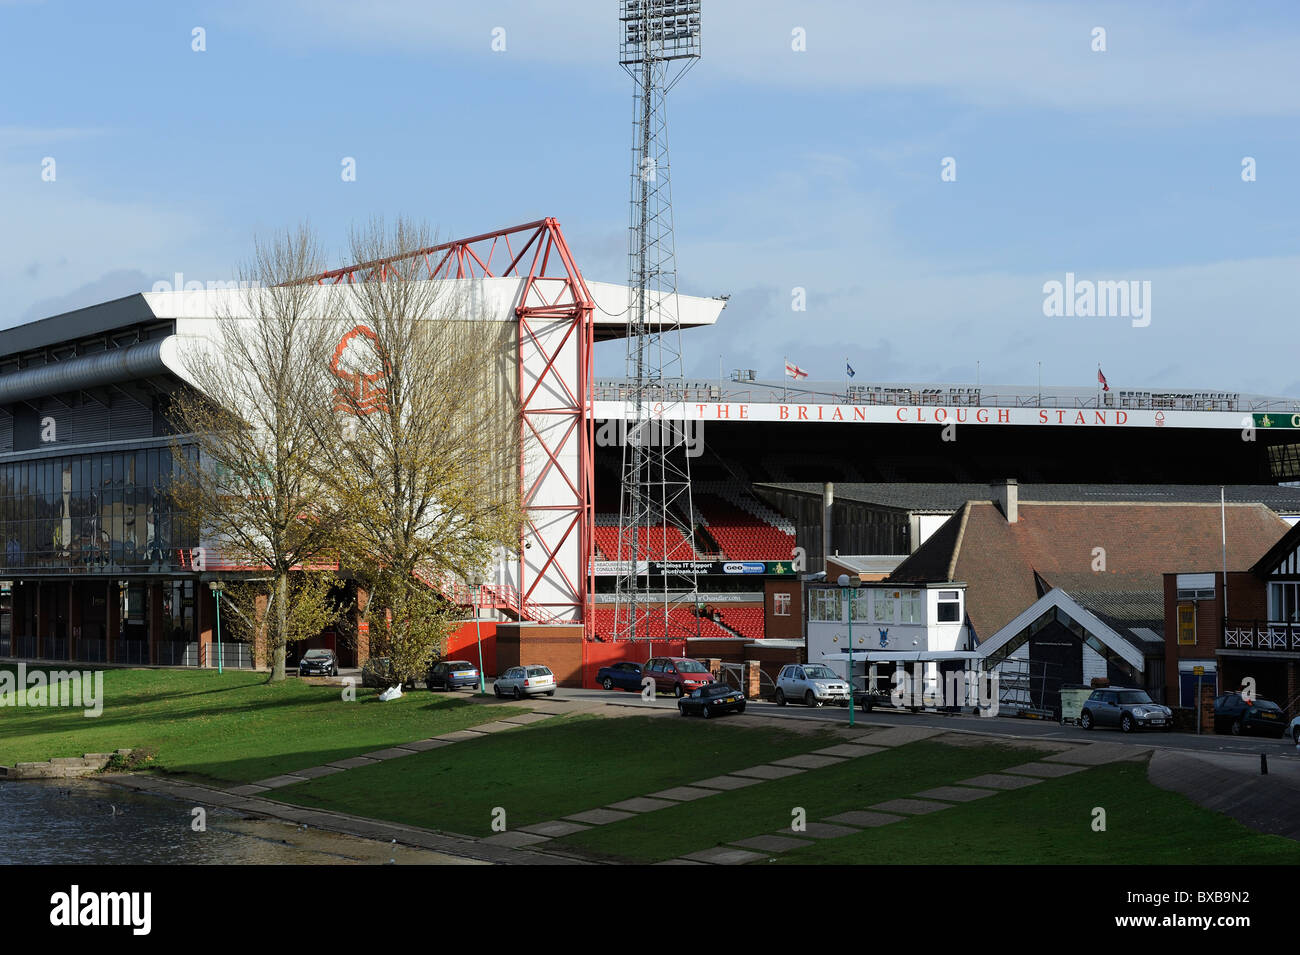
x=785 y=374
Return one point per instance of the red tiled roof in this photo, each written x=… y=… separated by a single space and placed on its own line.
x=1141 y=542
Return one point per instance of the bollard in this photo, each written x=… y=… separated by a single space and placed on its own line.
x=1263 y=764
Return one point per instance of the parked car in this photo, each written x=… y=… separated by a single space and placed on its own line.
x=451 y=675
x=1294 y=730
x=525 y=681
x=676 y=675
x=1127 y=708
x=318 y=662
x=378 y=672
x=623 y=676
x=710 y=700
x=813 y=683
x=1235 y=714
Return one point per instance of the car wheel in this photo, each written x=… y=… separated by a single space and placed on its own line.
x=681 y=709
x=519 y=693
x=1295 y=735
x=780 y=697
x=705 y=712
x=550 y=692
x=810 y=700
x=740 y=708
x=496 y=690
x=1126 y=723
x=1237 y=728
x=334 y=672
x=608 y=684
x=678 y=691
x=1085 y=720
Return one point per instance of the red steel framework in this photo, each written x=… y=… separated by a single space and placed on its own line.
x=553 y=290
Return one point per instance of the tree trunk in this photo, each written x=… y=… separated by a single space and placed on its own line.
x=282 y=625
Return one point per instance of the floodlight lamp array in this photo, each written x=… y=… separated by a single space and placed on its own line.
x=659 y=30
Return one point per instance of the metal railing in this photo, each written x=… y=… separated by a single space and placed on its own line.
x=131 y=651
x=948 y=396
x=175 y=653
x=234 y=656
x=1261 y=635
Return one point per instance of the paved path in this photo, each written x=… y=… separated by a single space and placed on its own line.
x=1234 y=785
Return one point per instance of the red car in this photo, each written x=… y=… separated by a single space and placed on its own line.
x=676 y=675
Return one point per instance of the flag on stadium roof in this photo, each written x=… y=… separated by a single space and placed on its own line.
x=794 y=371
x=1101 y=380
x=848 y=370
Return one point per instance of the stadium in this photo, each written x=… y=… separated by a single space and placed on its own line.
x=97 y=568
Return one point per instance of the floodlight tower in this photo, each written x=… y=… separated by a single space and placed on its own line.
x=660 y=42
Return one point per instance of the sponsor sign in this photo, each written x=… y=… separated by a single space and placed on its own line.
x=731 y=568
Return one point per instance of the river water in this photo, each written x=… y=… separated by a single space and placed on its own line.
x=74 y=821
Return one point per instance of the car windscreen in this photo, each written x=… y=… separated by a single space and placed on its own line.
x=459 y=665
x=717 y=689
x=691 y=666
x=1133 y=696
x=538 y=671
x=317 y=655
x=820 y=673
x=1268 y=705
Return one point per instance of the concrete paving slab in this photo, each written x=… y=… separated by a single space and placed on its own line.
x=808 y=761
x=641 y=804
x=724 y=856
x=999 y=781
x=1044 y=770
x=910 y=807
x=680 y=862
x=683 y=793
x=817 y=830
x=901 y=735
x=849 y=750
x=867 y=820
x=315 y=772
x=459 y=736
x=249 y=789
x=599 y=817
x=771 y=843
x=956 y=793
x=1096 y=754
x=727 y=783
x=515 y=839
x=523 y=719
x=1232 y=784
x=352 y=762
x=424 y=745
x=275 y=782
x=393 y=752
x=767 y=771
x=494 y=727
x=554 y=828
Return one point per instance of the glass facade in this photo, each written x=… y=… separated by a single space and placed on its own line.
x=91 y=513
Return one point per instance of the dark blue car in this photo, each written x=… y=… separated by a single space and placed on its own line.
x=622 y=676
x=452 y=675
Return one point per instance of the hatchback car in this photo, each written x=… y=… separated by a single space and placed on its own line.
x=1235 y=714
x=451 y=675
x=814 y=684
x=622 y=676
x=676 y=675
x=318 y=662
x=710 y=700
x=1127 y=708
x=520 y=682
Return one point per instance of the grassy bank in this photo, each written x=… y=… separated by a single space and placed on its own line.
x=549 y=770
x=232 y=727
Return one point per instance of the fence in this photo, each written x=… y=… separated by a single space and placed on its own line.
x=175 y=653
x=131 y=651
x=234 y=656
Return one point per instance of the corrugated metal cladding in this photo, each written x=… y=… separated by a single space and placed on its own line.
x=6 y=432
x=89 y=423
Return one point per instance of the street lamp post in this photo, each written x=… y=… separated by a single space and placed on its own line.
x=478 y=635
x=851 y=584
x=216 y=587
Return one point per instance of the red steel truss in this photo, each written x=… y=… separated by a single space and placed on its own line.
x=553 y=290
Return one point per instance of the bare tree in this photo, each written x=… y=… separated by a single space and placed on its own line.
x=424 y=456
x=249 y=454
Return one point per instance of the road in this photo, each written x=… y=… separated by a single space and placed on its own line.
x=1276 y=749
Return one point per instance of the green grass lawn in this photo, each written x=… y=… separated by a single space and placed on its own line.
x=232 y=727
x=548 y=770
x=1052 y=823
x=765 y=808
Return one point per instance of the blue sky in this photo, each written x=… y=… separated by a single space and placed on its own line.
x=817 y=169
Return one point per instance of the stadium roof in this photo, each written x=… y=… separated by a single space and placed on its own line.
x=947 y=498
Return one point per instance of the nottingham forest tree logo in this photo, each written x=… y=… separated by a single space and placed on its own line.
x=360 y=364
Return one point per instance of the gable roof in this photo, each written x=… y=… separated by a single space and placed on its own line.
x=1282 y=559
x=1057 y=599
x=1130 y=545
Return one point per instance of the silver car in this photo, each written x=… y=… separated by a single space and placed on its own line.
x=812 y=683
x=520 y=682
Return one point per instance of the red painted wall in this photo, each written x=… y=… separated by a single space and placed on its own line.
x=461 y=644
x=596 y=655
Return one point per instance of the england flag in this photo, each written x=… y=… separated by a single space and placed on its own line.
x=794 y=371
